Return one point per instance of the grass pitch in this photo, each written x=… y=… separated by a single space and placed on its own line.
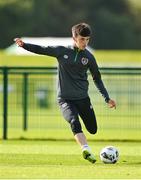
x=105 y=58
x=63 y=160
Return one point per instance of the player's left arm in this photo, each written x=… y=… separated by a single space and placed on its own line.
x=112 y=104
x=93 y=67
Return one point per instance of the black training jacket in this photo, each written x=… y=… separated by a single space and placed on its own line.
x=73 y=65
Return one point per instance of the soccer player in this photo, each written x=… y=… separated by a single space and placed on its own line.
x=73 y=63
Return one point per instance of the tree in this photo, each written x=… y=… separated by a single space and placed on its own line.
x=113 y=22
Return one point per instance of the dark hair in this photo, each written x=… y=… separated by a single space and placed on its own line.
x=81 y=29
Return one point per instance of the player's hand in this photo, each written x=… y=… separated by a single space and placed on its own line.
x=19 y=42
x=112 y=104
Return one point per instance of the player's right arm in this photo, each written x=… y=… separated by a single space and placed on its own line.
x=19 y=42
x=49 y=50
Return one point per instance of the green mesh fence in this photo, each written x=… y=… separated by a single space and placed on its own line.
x=33 y=112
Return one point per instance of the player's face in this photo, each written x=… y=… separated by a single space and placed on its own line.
x=81 y=42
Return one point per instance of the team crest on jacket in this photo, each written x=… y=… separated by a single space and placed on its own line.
x=84 y=61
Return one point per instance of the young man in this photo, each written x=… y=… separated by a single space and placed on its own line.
x=74 y=61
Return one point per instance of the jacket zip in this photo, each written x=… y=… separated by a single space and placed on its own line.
x=76 y=55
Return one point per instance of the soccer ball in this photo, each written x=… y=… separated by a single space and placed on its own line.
x=109 y=155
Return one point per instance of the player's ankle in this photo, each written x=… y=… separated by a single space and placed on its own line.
x=86 y=147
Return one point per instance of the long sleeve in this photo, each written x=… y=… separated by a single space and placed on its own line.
x=97 y=79
x=49 y=50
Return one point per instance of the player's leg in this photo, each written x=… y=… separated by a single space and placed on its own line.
x=87 y=114
x=70 y=113
x=86 y=151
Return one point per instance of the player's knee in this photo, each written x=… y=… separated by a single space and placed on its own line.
x=75 y=126
x=93 y=130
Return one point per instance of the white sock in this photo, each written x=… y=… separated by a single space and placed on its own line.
x=85 y=146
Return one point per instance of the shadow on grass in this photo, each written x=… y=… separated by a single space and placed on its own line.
x=72 y=139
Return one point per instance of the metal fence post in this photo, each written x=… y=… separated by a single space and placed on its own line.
x=25 y=100
x=5 y=102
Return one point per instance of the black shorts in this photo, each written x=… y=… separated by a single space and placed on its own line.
x=72 y=109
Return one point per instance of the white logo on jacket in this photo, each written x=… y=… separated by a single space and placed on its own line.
x=84 y=61
x=65 y=56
